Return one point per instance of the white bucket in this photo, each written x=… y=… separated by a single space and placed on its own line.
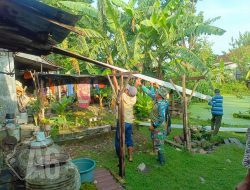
x=14 y=131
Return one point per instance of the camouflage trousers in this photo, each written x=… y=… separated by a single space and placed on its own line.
x=159 y=136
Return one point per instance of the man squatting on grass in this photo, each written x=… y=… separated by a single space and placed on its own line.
x=160 y=125
x=216 y=110
x=129 y=100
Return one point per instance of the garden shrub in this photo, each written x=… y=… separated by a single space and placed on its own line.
x=143 y=106
x=244 y=115
x=237 y=88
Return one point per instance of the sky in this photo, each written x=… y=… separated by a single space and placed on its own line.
x=235 y=18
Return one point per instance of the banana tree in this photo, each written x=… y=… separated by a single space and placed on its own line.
x=101 y=94
x=176 y=29
x=141 y=35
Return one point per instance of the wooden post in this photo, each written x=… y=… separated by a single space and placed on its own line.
x=121 y=122
x=185 y=115
x=42 y=99
x=172 y=103
x=121 y=131
x=59 y=91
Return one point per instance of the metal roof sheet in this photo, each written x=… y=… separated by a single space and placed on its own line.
x=25 y=61
x=29 y=25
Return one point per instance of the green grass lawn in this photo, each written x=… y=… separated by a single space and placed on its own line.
x=201 y=111
x=221 y=169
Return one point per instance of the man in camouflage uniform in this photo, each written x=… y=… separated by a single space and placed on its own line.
x=160 y=124
x=245 y=185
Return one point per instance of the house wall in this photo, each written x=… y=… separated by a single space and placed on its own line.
x=8 y=99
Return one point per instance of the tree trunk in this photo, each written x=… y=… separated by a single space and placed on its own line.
x=100 y=102
x=159 y=71
x=186 y=130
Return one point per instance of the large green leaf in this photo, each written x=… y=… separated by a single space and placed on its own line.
x=189 y=57
x=113 y=16
x=119 y=3
x=137 y=51
x=114 y=23
x=171 y=6
x=209 y=30
x=89 y=33
x=211 y=20
x=132 y=3
x=80 y=8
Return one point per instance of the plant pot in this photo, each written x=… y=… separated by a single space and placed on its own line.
x=40 y=136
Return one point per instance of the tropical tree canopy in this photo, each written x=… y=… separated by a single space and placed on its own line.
x=159 y=38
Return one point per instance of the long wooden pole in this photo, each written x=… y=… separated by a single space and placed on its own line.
x=42 y=99
x=144 y=77
x=185 y=116
x=121 y=132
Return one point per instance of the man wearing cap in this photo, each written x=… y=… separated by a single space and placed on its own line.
x=216 y=110
x=159 y=119
x=129 y=100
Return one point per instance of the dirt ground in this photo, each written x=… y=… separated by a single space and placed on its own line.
x=104 y=142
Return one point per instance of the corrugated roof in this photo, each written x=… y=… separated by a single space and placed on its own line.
x=71 y=79
x=24 y=61
x=31 y=26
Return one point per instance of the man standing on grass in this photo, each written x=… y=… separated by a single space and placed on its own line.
x=159 y=123
x=129 y=100
x=217 y=111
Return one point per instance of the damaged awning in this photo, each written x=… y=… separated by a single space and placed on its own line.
x=71 y=79
x=33 y=27
x=144 y=77
x=24 y=61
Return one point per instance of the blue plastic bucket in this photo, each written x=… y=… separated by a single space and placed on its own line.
x=85 y=167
